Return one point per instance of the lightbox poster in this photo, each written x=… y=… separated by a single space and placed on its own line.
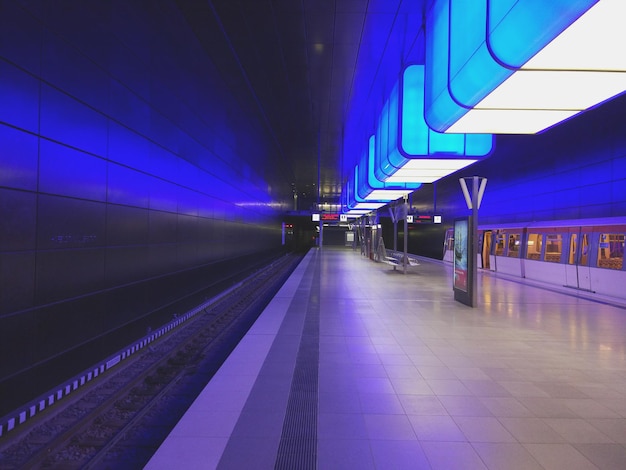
x=461 y=248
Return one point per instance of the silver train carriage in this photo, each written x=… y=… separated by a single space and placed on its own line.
x=585 y=254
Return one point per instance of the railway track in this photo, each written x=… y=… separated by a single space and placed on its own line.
x=120 y=420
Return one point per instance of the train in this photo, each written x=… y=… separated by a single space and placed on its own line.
x=582 y=254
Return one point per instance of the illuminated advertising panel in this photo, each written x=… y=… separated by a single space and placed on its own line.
x=461 y=237
x=463 y=261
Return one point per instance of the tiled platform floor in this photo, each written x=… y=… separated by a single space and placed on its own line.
x=409 y=379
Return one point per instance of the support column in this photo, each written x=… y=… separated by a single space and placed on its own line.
x=405 y=211
x=473 y=203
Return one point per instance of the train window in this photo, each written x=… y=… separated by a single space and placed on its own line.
x=554 y=247
x=571 y=259
x=611 y=251
x=486 y=250
x=583 y=257
x=534 y=246
x=514 y=244
x=584 y=250
x=499 y=247
x=449 y=239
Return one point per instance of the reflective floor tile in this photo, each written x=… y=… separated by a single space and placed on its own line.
x=509 y=456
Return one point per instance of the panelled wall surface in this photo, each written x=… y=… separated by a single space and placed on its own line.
x=131 y=177
x=576 y=170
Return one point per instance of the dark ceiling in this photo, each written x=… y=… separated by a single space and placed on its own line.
x=315 y=69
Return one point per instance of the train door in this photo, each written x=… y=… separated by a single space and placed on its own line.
x=448 y=245
x=584 y=269
x=486 y=249
x=577 y=270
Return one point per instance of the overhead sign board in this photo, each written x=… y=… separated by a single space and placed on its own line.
x=423 y=219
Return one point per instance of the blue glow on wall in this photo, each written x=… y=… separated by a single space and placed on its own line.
x=575 y=170
x=117 y=176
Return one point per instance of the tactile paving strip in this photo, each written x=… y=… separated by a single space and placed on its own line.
x=298 y=443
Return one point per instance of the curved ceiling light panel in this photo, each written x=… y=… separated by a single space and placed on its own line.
x=407 y=150
x=370 y=188
x=519 y=67
x=350 y=207
x=354 y=201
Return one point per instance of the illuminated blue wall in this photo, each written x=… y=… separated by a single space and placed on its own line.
x=572 y=171
x=575 y=170
x=129 y=173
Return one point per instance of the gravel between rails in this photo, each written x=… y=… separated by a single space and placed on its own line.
x=119 y=421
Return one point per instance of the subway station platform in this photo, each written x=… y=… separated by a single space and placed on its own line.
x=356 y=366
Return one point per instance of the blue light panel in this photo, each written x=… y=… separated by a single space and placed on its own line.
x=371 y=183
x=517 y=32
x=350 y=205
x=364 y=193
x=483 y=68
x=409 y=151
x=382 y=168
x=479 y=63
x=440 y=108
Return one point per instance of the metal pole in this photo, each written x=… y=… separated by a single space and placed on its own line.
x=394 y=218
x=474 y=253
x=321 y=232
x=395 y=235
x=406 y=235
